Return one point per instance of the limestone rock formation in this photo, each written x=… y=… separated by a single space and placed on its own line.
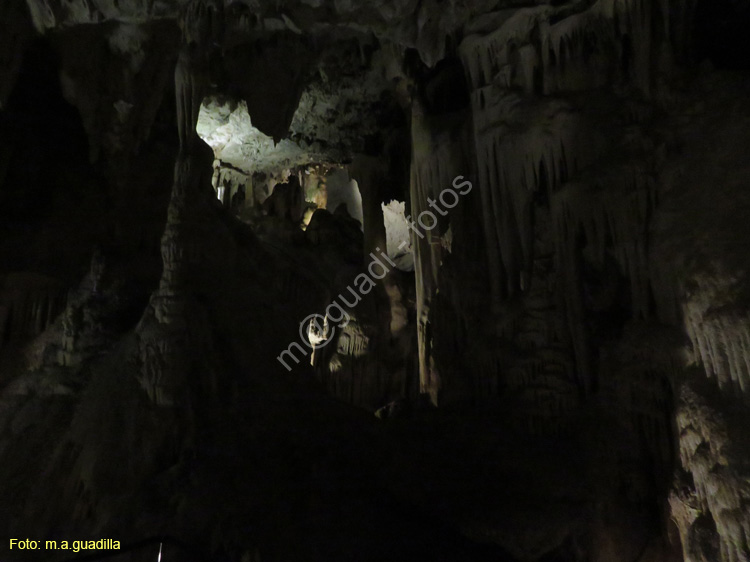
x=392 y=280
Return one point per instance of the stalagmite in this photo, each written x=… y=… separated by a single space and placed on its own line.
x=174 y=328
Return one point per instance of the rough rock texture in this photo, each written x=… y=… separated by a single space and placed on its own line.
x=712 y=448
x=555 y=367
x=118 y=89
x=710 y=270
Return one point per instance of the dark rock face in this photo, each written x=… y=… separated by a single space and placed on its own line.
x=396 y=280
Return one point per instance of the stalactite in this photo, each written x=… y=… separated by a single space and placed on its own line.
x=508 y=160
x=613 y=219
x=511 y=148
x=710 y=451
x=29 y=303
x=346 y=369
x=719 y=333
x=620 y=213
x=228 y=181
x=439 y=146
x=571 y=53
x=191 y=80
x=174 y=332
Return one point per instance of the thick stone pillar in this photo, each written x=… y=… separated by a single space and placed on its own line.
x=175 y=337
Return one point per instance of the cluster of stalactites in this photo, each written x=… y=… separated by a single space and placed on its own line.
x=532 y=54
x=544 y=50
x=203 y=28
x=438 y=159
x=530 y=147
x=173 y=328
x=712 y=456
x=202 y=22
x=228 y=181
x=29 y=303
x=512 y=168
x=720 y=336
x=612 y=220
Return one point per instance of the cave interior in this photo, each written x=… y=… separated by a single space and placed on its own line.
x=386 y=280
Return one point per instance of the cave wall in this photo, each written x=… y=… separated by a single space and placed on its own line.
x=574 y=149
x=581 y=300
